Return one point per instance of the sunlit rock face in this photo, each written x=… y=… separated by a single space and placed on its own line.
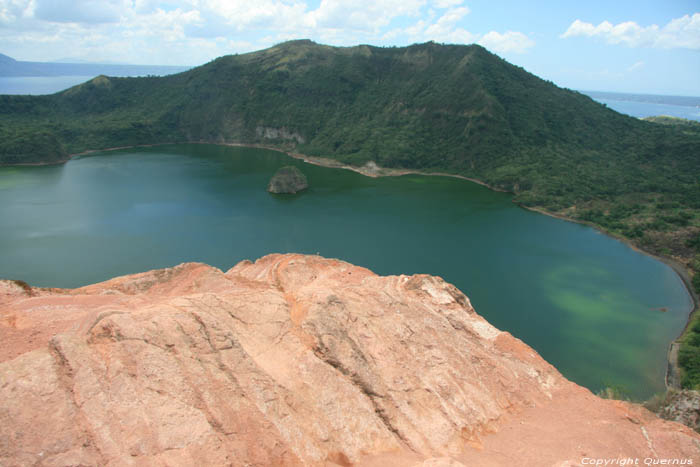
x=292 y=360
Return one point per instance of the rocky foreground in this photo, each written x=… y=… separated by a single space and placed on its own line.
x=292 y=360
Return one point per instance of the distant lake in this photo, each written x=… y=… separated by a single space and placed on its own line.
x=19 y=77
x=586 y=302
x=39 y=84
x=649 y=105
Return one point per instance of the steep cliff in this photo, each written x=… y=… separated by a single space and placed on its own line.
x=292 y=360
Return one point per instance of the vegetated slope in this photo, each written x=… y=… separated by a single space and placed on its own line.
x=668 y=120
x=449 y=108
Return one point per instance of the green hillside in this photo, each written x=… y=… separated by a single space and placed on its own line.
x=449 y=108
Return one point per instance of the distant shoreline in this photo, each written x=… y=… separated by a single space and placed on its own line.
x=371 y=169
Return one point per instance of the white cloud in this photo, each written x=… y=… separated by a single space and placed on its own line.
x=186 y=32
x=360 y=15
x=165 y=25
x=445 y=29
x=79 y=11
x=339 y=22
x=446 y=3
x=11 y=10
x=508 y=42
x=635 y=66
x=270 y=14
x=681 y=32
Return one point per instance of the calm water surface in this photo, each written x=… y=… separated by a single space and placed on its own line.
x=649 y=105
x=651 y=109
x=589 y=304
x=39 y=84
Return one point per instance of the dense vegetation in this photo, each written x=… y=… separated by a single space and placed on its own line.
x=457 y=109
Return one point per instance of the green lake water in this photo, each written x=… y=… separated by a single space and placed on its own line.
x=587 y=303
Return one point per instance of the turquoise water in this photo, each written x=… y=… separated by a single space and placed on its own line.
x=587 y=303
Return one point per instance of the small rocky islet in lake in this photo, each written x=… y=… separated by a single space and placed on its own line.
x=287 y=180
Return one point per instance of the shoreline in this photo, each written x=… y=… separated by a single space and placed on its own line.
x=372 y=170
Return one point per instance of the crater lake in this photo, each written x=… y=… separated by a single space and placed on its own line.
x=599 y=311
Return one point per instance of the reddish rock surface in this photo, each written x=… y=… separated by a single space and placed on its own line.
x=292 y=360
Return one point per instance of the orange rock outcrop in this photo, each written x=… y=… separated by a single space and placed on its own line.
x=292 y=360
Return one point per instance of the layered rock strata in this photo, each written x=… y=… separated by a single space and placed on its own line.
x=292 y=360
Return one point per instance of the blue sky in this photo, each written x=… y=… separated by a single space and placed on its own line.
x=625 y=46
